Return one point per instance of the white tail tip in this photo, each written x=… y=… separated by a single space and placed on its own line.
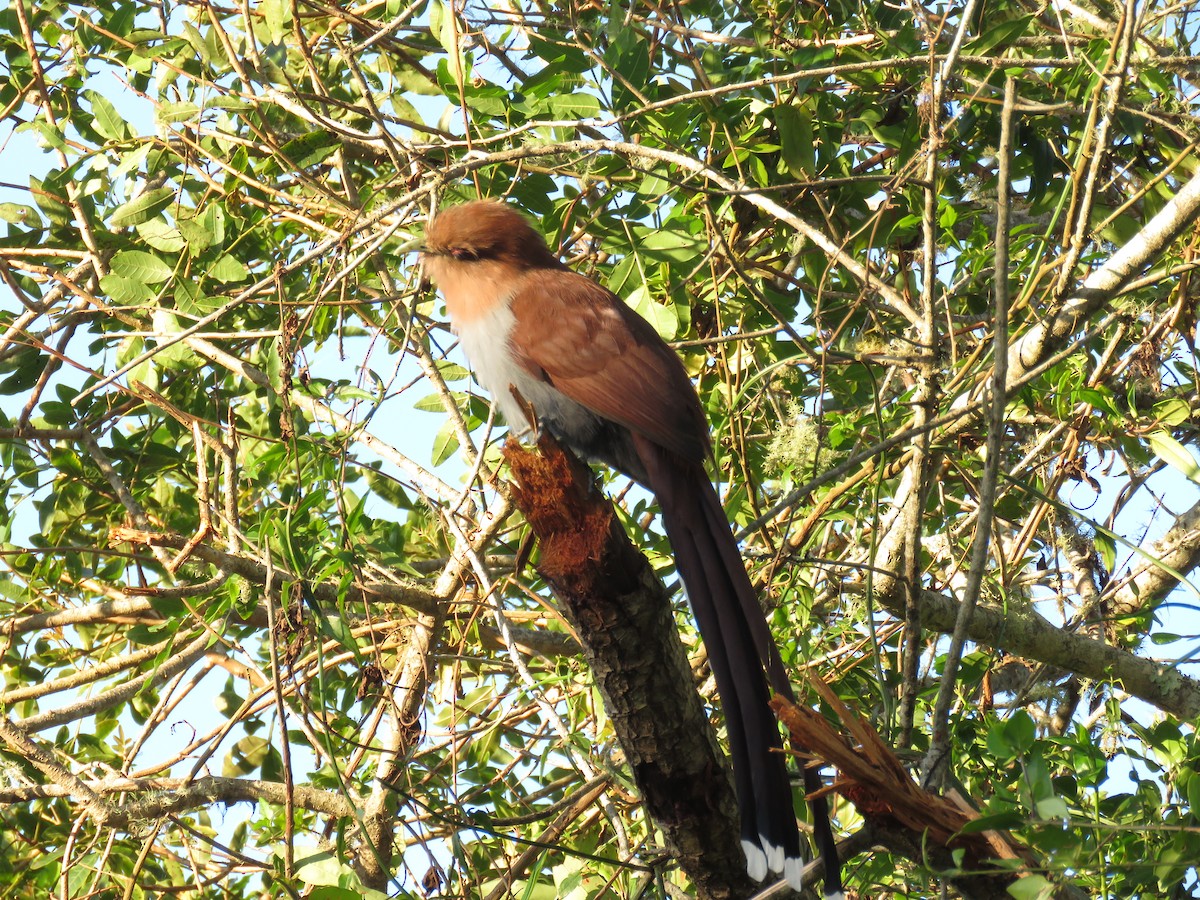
x=756 y=860
x=793 y=870
x=765 y=857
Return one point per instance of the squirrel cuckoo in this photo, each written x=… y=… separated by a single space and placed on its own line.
x=597 y=376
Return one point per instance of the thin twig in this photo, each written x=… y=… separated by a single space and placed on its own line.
x=934 y=766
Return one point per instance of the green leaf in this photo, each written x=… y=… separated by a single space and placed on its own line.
x=444 y=444
x=146 y=634
x=329 y=892
x=229 y=700
x=161 y=236
x=1000 y=35
x=246 y=756
x=272 y=765
x=119 y=20
x=277 y=16
x=443 y=26
x=50 y=197
x=21 y=214
x=1053 y=808
x=1107 y=549
x=663 y=318
x=174 y=113
x=320 y=867
x=142 y=208
x=228 y=269
x=310 y=149
x=132 y=160
x=1019 y=732
x=431 y=403
x=333 y=879
x=578 y=105
x=25 y=376
x=1098 y=398
x=1032 y=887
x=1174 y=454
x=387 y=488
x=629 y=56
x=1192 y=790
x=208 y=228
x=51 y=136
x=107 y=121
x=1165 y=637
x=197 y=42
x=1172 y=412
x=141 y=266
x=796 y=140
x=451 y=371
x=13 y=591
x=125 y=291
x=198 y=232
x=335 y=627
x=1157 y=80
x=190 y=298
x=670 y=243
x=348 y=393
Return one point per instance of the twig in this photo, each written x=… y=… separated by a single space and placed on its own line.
x=934 y=766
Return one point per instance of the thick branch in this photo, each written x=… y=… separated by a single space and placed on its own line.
x=1022 y=631
x=872 y=777
x=1105 y=283
x=121 y=693
x=623 y=617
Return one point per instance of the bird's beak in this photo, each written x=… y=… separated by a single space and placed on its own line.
x=412 y=245
x=423 y=261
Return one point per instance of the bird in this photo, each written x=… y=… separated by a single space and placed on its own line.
x=558 y=351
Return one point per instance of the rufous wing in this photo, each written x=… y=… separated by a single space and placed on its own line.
x=594 y=349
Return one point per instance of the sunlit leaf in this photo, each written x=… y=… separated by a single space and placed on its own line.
x=141 y=266
x=662 y=317
x=1175 y=454
x=142 y=208
x=107 y=121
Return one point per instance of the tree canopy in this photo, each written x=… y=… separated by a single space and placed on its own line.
x=272 y=624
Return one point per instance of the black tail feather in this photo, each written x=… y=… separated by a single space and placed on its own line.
x=768 y=652
x=740 y=647
x=768 y=823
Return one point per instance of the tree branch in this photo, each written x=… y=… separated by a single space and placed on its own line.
x=1023 y=631
x=624 y=620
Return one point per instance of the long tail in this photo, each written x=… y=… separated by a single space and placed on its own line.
x=740 y=646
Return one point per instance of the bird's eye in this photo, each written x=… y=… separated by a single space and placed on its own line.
x=464 y=254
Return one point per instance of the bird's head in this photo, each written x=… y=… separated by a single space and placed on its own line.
x=482 y=234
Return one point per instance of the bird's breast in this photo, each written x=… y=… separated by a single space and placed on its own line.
x=486 y=337
x=487 y=342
